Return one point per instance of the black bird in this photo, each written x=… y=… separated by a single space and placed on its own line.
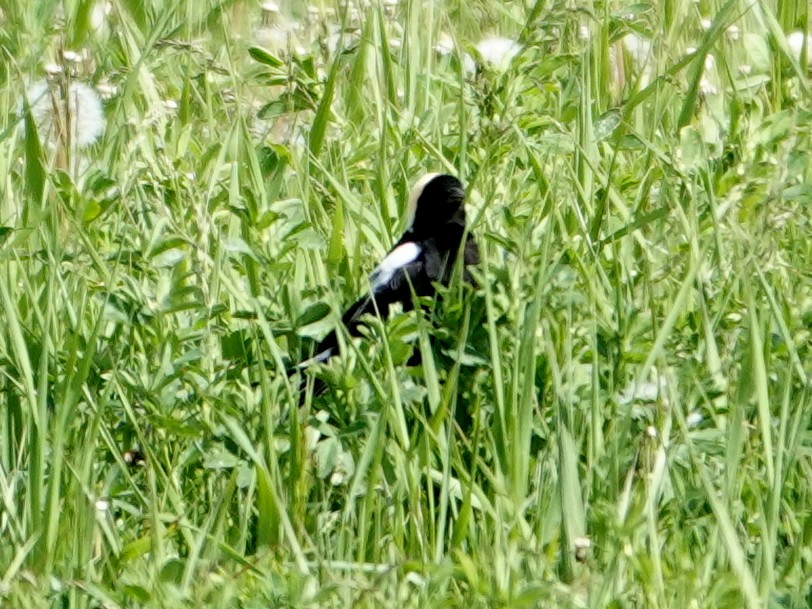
x=423 y=256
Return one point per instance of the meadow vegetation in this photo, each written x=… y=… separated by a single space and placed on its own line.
x=617 y=415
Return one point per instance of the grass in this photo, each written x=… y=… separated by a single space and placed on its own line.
x=618 y=416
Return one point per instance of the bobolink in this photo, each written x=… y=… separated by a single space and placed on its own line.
x=423 y=256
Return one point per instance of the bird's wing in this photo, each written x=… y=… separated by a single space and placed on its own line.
x=390 y=282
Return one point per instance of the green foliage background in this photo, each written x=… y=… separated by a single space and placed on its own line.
x=617 y=416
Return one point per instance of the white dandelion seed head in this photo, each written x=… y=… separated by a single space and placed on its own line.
x=83 y=111
x=444 y=45
x=498 y=52
x=98 y=16
x=706 y=87
x=639 y=49
x=71 y=56
x=582 y=546
x=795 y=41
x=693 y=419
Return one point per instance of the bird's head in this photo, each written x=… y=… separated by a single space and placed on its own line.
x=434 y=200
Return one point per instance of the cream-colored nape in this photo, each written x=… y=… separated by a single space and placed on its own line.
x=414 y=195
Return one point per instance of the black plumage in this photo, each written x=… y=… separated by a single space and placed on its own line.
x=423 y=256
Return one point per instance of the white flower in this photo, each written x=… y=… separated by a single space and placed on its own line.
x=795 y=41
x=693 y=419
x=444 y=45
x=706 y=24
x=582 y=546
x=498 y=52
x=98 y=15
x=82 y=111
x=270 y=7
x=71 y=56
x=745 y=69
x=710 y=62
x=733 y=32
x=639 y=49
x=706 y=87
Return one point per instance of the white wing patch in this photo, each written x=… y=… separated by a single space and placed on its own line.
x=395 y=260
